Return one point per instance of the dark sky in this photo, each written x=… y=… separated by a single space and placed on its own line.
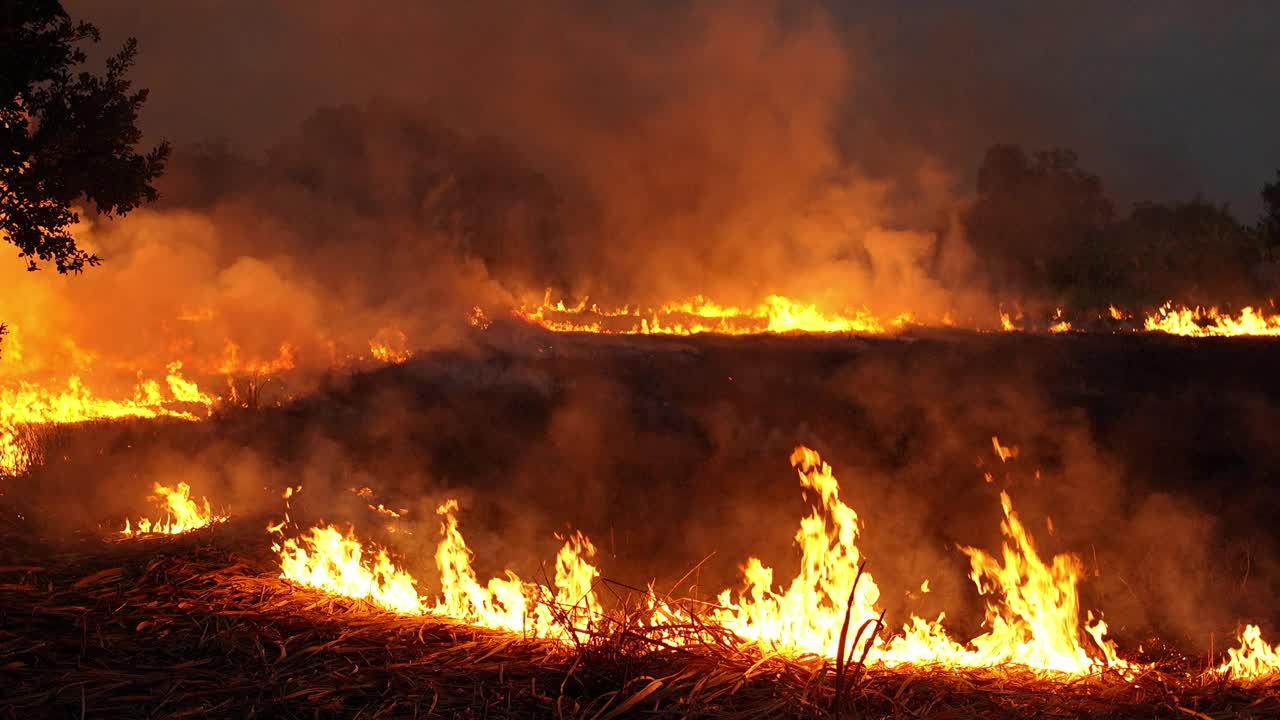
x=1162 y=98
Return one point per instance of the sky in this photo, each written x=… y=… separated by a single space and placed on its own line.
x=1163 y=99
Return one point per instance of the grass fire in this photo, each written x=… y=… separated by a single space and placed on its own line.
x=629 y=360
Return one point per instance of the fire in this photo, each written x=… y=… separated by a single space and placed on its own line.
x=1007 y=323
x=1254 y=659
x=1033 y=610
x=390 y=346
x=232 y=364
x=1059 y=324
x=508 y=603
x=809 y=614
x=775 y=314
x=1004 y=452
x=30 y=405
x=182 y=513
x=1210 y=322
x=327 y=559
x=1034 y=615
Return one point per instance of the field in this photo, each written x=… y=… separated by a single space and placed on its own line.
x=1150 y=458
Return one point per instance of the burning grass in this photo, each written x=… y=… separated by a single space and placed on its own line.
x=190 y=626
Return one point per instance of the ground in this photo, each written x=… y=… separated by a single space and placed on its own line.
x=1152 y=456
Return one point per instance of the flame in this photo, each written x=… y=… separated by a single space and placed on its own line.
x=478 y=318
x=1254 y=659
x=1033 y=608
x=232 y=364
x=1004 y=452
x=1058 y=323
x=30 y=404
x=182 y=513
x=1007 y=322
x=1034 y=616
x=390 y=346
x=1202 y=322
x=775 y=314
x=339 y=563
x=508 y=603
x=328 y=559
x=808 y=615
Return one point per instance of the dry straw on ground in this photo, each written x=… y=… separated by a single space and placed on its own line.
x=188 y=627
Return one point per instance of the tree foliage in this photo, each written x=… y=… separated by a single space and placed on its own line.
x=67 y=136
x=1044 y=227
x=1032 y=214
x=1269 y=226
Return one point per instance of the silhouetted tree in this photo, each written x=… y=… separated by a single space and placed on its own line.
x=1269 y=225
x=1032 y=217
x=66 y=135
x=1194 y=251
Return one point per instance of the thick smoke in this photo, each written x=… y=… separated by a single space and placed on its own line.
x=473 y=155
x=678 y=149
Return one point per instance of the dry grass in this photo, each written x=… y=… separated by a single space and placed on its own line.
x=189 y=627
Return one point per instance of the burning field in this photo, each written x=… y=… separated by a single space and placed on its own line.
x=629 y=360
x=1035 y=544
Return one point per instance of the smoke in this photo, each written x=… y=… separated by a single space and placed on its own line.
x=635 y=153
x=469 y=155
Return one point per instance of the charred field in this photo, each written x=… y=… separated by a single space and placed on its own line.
x=1148 y=457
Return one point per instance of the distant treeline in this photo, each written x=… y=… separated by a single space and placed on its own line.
x=1042 y=228
x=1041 y=224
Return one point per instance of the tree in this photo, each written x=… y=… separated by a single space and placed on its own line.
x=67 y=136
x=1191 y=251
x=1033 y=217
x=1269 y=225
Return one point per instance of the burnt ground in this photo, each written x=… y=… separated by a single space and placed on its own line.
x=1153 y=457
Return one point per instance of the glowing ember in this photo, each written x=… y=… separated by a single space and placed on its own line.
x=1254 y=659
x=1201 y=322
x=1007 y=323
x=182 y=513
x=390 y=346
x=232 y=364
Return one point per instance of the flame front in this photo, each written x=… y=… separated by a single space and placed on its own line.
x=1254 y=660
x=809 y=614
x=775 y=314
x=30 y=405
x=328 y=559
x=1209 y=322
x=335 y=562
x=181 y=513
x=1033 y=608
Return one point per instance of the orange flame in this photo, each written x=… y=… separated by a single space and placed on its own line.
x=1202 y=322
x=1033 y=610
x=182 y=513
x=1254 y=660
x=31 y=405
x=775 y=314
x=336 y=562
